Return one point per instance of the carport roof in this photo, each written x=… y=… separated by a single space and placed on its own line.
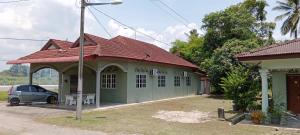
x=95 y=47
x=289 y=49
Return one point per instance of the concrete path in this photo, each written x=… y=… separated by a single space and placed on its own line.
x=15 y=121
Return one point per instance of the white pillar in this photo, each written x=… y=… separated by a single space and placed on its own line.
x=98 y=87
x=264 y=85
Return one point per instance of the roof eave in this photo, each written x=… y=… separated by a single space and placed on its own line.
x=269 y=57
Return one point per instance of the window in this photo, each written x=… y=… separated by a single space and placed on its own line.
x=140 y=81
x=161 y=81
x=23 y=88
x=40 y=89
x=177 y=81
x=33 y=89
x=188 y=81
x=108 y=81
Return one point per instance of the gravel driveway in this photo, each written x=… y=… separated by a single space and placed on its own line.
x=19 y=120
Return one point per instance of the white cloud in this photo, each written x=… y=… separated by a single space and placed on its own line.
x=60 y=19
x=168 y=35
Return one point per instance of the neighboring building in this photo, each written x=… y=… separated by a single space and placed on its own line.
x=120 y=70
x=282 y=63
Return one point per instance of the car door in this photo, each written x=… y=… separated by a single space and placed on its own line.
x=36 y=96
x=25 y=93
x=41 y=95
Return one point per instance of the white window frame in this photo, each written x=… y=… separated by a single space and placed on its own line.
x=141 y=81
x=177 y=81
x=108 y=81
x=161 y=81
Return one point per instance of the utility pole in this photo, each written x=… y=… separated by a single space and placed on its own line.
x=84 y=4
x=80 y=64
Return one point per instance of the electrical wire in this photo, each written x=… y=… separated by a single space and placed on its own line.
x=174 y=11
x=23 y=39
x=172 y=15
x=13 y=1
x=98 y=21
x=130 y=27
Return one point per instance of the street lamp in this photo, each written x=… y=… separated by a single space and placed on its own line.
x=80 y=63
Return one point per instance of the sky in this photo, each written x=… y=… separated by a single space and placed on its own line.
x=59 y=19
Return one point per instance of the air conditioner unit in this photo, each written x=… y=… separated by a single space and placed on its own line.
x=154 y=72
x=185 y=74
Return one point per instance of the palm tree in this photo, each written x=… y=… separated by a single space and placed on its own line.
x=291 y=12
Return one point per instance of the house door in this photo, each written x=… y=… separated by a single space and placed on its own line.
x=73 y=84
x=293 y=93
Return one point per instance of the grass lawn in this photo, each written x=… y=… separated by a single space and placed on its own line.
x=138 y=119
x=3 y=96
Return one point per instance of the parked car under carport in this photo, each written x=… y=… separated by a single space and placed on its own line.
x=29 y=94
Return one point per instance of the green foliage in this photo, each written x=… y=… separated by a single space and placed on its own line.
x=191 y=50
x=241 y=85
x=291 y=14
x=239 y=28
x=277 y=110
x=234 y=22
x=223 y=60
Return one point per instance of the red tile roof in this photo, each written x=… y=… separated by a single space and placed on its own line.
x=118 y=47
x=59 y=44
x=289 y=49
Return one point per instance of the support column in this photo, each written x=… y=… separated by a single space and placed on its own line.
x=30 y=75
x=98 y=87
x=264 y=85
x=60 y=86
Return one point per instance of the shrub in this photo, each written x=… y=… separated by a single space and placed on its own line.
x=257 y=117
x=241 y=86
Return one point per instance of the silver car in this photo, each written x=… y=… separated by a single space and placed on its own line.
x=29 y=94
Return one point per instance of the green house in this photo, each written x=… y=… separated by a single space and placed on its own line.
x=117 y=70
x=280 y=63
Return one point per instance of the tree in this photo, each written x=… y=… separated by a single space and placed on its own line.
x=190 y=50
x=234 y=22
x=291 y=14
x=18 y=70
x=238 y=28
x=223 y=60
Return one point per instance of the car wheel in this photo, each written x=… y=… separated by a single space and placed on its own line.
x=14 y=102
x=51 y=100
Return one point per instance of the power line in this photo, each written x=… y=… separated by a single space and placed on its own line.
x=98 y=21
x=12 y=1
x=172 y=15
x=130 y=27
x=174 y=11
x=23 y=39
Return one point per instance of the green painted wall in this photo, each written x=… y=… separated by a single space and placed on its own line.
x=152 y=91
x=126 y=91
x=118 y=95
x=279 y=88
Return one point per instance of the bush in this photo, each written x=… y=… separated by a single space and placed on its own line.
x=257 y=117
x=241 y=85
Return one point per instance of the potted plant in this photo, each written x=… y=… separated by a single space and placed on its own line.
x=257 y=116
x=276 y=114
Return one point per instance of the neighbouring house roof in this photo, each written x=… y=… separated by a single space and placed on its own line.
x=289 y=49
x=97 y=47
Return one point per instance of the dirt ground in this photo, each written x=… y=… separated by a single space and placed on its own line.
x=20 y=121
